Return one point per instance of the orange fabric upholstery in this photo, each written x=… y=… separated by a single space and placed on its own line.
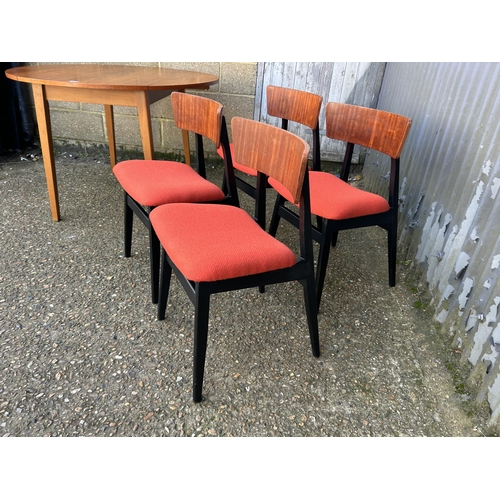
x=221 y=242
x=154 y=182
x=238 y=166
x=332 y=198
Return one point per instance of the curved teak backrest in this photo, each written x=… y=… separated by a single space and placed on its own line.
x=375 y=129
x=295 y=105
x=273 y=151
x=197 y=114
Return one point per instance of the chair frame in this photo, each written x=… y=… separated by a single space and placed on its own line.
x=375 y=129
x=199 y=292
x=132 y=207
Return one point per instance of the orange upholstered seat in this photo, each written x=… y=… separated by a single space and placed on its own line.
x=153 y=182
x=332 y=198
x=217 y=242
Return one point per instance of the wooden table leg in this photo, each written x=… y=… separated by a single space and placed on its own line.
x=45 y=132
x=110 y=129
x=145 y=124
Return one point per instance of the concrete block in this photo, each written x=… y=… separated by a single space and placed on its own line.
x=128 y=134
x=172 y=137
x=238 y=78
x=77 y=125
x=162 y=109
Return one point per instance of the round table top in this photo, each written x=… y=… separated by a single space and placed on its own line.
x=111 y=76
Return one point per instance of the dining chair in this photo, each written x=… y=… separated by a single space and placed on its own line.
x=150 y=183
x=220 y=248
x=340 y=205
x=288 y=105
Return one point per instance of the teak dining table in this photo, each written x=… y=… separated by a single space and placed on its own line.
x=109 y=85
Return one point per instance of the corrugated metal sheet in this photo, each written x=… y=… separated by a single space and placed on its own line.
x=350 y=82
x=450 y=202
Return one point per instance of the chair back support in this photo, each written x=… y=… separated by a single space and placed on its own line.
x=375 y=129
x=295 y=105
x=271 y=151
x=192 y=112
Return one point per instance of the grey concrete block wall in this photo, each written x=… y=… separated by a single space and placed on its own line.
x=84 y=124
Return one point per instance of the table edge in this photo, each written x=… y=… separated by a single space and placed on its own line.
x=211 y=80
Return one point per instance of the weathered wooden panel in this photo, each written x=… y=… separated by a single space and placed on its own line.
x=449 y=202
x=349 y=82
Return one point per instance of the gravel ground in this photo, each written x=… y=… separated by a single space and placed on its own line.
x=82 y=354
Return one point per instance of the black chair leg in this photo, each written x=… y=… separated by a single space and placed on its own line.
x=128 y=224
x=202 y=305
x=335 y=235
x=392 y=244
x=224 y=188
x=312 y=314
x=166 y=275
x=154 y=257
x=324 y=253
x=275 y=219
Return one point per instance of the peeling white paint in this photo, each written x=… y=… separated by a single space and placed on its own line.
x=491 y=317
x=448 y=291
x=431 y=246
x=462 y=263
x=487 y=167
x=441 y=317
x=483 y=332
x=424 y=240
x=495 y=335
x=402 y=196
x=471 y=320
x=456 y=240
x=474 y=236
x=495 y=186
x=494 y=399
x=496 y=261
x=490 y=356
x=436 y=250
x=467 y=287
x=480 y=337
x=411 y=222
x=469 y=217
x=474 y=204
x=447 y=266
